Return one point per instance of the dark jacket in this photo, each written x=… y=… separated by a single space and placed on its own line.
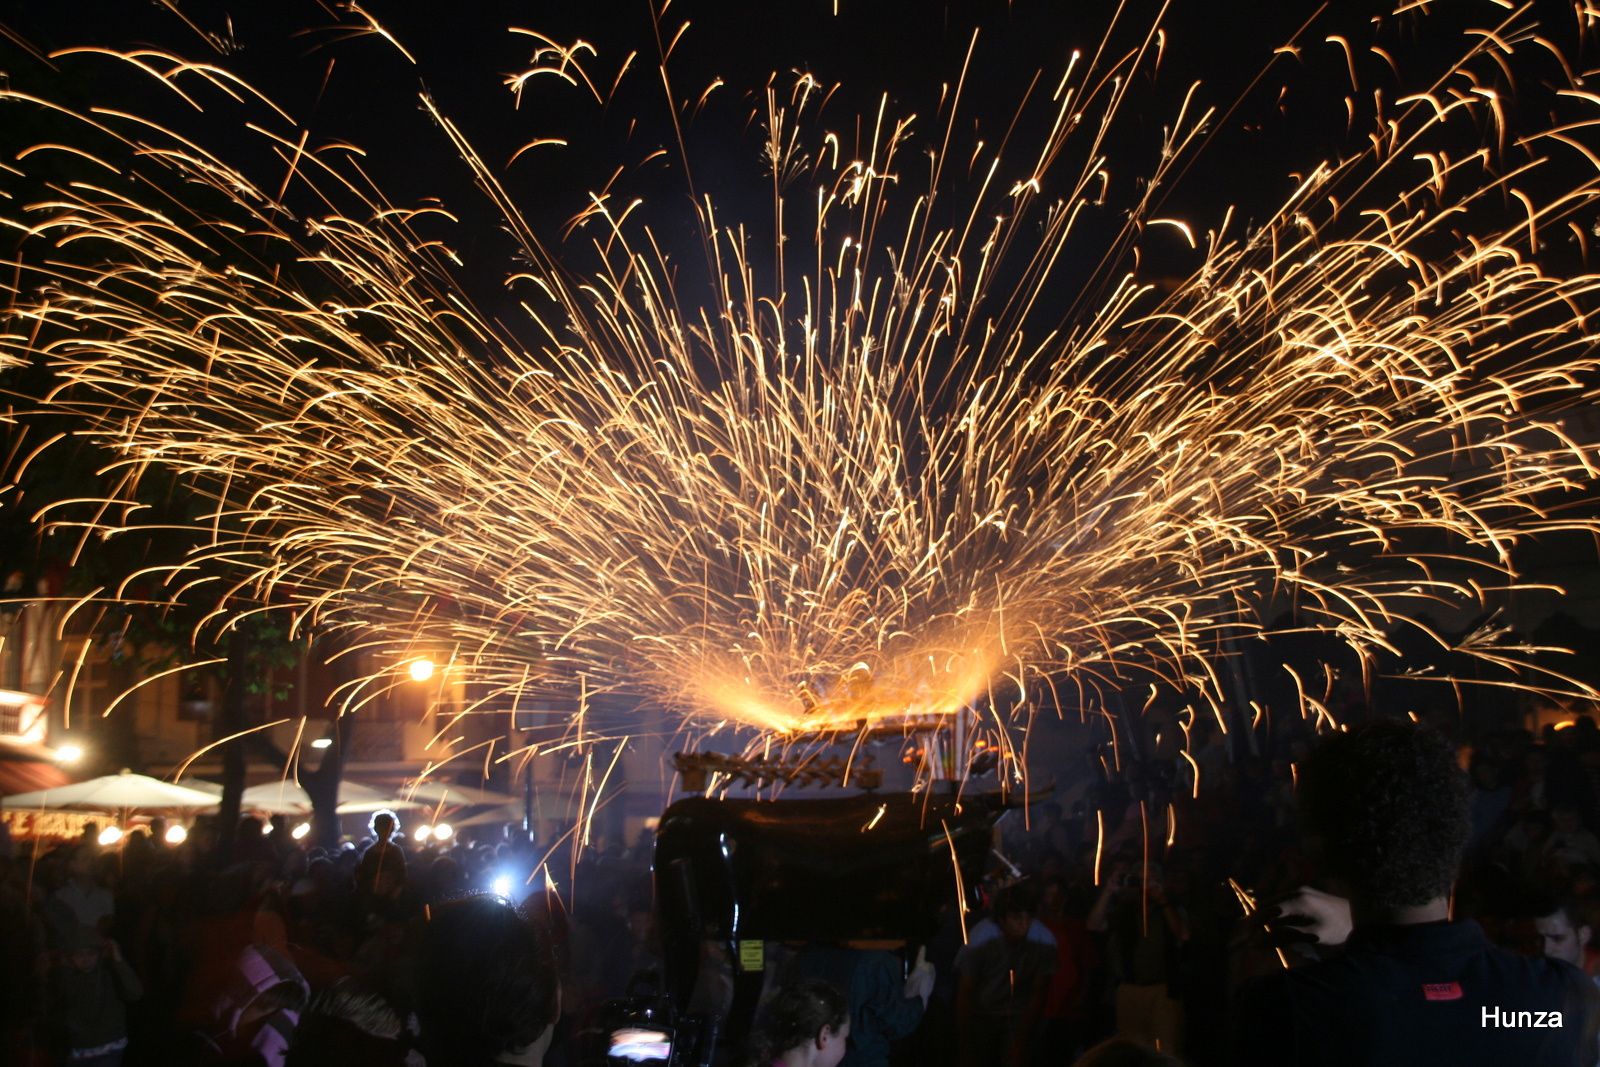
x=89 y=1006
x=1429 y=994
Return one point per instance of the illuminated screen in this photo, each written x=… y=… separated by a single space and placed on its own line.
x=633 y=1045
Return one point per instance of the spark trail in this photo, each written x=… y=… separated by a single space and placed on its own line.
x=881 y=475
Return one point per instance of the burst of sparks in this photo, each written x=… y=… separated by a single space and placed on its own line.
x=881 y=482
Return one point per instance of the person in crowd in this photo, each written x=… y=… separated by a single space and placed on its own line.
x=1491 y=801
x=383 y=905
x=89 y=902
x=1525 y=845
x=486 y=989
x=1564 y=933
x=804 y=1024
x=22 y=943
x=1570 y=841
x=885 y=1006
x=382 y=868
x=255 y=1009
x=352 y=1022
x=631 y=955
x=1001 y=987
x=1145 y=933
x=250 y=844
x=988 y=928
x=89 y=987
x=1065 y=1003
x=1387 y=802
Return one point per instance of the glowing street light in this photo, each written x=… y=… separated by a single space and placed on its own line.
x=442 y=832
x=322 y=742
x=110 y=835
x=421 y=669
x=69 y=753
x=299 y=832
x=176 y=834
x=423 y=833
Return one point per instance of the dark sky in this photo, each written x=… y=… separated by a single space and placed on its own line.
x=1281 y=114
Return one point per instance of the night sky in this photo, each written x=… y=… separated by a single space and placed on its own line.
x=1280 y=114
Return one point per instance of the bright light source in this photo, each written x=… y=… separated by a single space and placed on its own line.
x=501 y=886
x=423 y=833
x=69 y=753
x=299 y=832
x=110 y=835
x=421 y=669
x=266 y=829
x=322 y=742
x=176 y=834
x=442 y=832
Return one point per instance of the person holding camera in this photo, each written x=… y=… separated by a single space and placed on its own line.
x=1145 y=931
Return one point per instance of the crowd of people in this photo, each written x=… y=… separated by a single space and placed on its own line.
x=159 y=954
x=1164 y=914
x=1182 y=900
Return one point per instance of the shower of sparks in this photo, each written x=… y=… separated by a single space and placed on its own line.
x=884 y=475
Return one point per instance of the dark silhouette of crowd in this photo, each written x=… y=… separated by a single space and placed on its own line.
x=1354 y=896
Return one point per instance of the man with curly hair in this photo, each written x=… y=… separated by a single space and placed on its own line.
x=1386 y=804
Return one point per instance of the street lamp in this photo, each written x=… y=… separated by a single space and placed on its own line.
x=421 y=669
x=69 y=753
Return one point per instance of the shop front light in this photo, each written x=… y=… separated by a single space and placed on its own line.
x=176 y=834
x=110 y=836
x=299 y=832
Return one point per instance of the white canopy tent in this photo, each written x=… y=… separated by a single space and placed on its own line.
x=115 y=792
x=289 y=798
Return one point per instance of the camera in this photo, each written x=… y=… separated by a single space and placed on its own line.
x=646 y=1031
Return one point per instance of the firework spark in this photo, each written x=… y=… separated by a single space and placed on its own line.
x=880 y=475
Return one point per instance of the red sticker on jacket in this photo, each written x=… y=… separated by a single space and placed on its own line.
x=1442 y=990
